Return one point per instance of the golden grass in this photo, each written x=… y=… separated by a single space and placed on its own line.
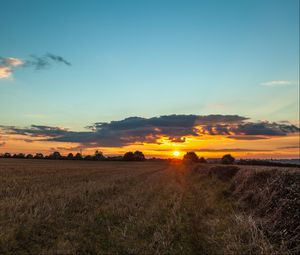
x=75 y=207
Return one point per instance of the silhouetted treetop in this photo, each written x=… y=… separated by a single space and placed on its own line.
x=78 y=156
x=128 y=156
x=190 y=157
x=227 y=159
x=55 y=155
x=138 y=156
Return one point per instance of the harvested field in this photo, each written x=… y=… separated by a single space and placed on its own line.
x=76 y=207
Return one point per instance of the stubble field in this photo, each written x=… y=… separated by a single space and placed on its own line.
x=76 y=207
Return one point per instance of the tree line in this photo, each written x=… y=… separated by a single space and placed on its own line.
x=193 y=157
x=98 y=156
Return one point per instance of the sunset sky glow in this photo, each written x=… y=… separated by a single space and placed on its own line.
x=163 y=77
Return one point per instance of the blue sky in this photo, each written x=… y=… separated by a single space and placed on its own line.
x=149 y=58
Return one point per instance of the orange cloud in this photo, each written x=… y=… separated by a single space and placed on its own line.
x=5 y=72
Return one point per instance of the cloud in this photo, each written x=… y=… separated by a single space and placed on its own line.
x=243 y=137
x=57 y=59
x=2 y=144
x=215 y=150
x=175 y=128
x=231 y=150
x=5 y=72
x=289 y=147
x=276 y=83
x=45 y=61
x=35 y=131
x=9 y=64
x=11 y=61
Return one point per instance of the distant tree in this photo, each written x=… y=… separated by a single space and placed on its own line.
x=138 y=156
x=227 y=159
x=98 y=155
x=7 y=155
x=128 y=156
x=29 y=156
x=115 y=158
x=20 y=155
x=55 y=155
x=202 y=160
x=190 y=157
x=88 y=157
x=70 y=156
x=78 y=156
x=39 y=156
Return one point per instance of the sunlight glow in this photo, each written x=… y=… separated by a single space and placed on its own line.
x=176 y=153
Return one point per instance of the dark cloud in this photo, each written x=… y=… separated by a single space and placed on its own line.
x=2 y=144
x=42 y=62
x=289 y=147
x=139 y=130
x=265 y=128
x=243 y=137
x=35 y=131
x=58 y=59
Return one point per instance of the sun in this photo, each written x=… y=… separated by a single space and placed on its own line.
x=176 y=153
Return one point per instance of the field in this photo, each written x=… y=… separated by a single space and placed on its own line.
x=76 y=207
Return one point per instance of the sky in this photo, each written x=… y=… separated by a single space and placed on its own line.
x=159 y=75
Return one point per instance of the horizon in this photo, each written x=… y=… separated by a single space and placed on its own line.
x=171 y=157
x=161 y=77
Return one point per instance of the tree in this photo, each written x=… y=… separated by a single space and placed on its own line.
x=98 y=155
x=128 y=156
x=88 y=157
x=70 y=156
x=78 y=156
x=55 y=155
x=20 y=155
x=190 y=157
x=29 y=156
x=202 y=160
x=7 y=155
x=39 y=156
x=139 y=156
x=227 y=159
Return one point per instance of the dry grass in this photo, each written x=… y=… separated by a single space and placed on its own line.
x=272 y=196
x=71 y=207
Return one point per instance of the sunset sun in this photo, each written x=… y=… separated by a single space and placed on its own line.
x=176 y=153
